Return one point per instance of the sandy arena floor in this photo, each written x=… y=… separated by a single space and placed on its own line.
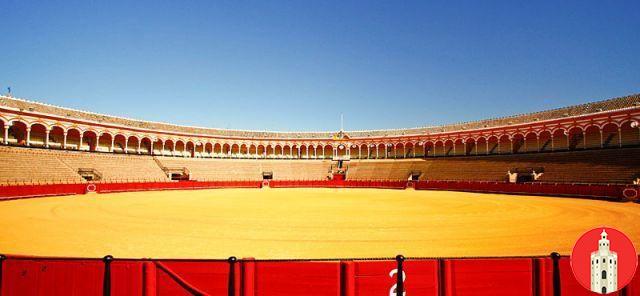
x=304 y=223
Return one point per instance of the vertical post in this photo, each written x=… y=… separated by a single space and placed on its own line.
x=149 y=280
x=6 y=135
x=248 y=276
x=46 y=138
x=80 y=143
x=231 y=290
x=399 y=276
x=28 y=140
x=64 y=140
x=2 y=258
x=555 y=257
x=619 y=137
x=106 y=282
x=601 y=139
x=348 y=278
x=441 y=277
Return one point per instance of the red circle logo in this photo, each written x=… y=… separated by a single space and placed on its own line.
x=604 y=260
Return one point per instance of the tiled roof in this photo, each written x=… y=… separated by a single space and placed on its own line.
x=582 y=109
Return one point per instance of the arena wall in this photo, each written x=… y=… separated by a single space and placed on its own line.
x=536 y=276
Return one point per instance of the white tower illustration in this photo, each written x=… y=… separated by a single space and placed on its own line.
x=604 y=267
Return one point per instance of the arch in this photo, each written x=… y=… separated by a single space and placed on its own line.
x=18 y=133
x=518 y=142
x=398 y=150
x=576 y=138
x=505 y=144
x=470 y=147
x=354 y=152
x=261 y=151
x=145 y=146
x=544 y=139
x=610 y=136
x=482 y=146
x=448 y=147
x=56 y=136
x=439 y=148
x=458 y=147
x=494 y=144
x=419 y=149
x=630 y=133
x=73 y=139
x=270 y=151
x=132 y=144
x=169 y=147
x=226 y=150
x=559 y=140
x=429 y=148
x=38 y=134
x=119 y=143
x=286 y=151
x=277 y=151
x=304 y=150
x=252 y=150
x=179 y=148
x=104 y=142
x=207 y=149
x=157 y=147
x=327 y=152
x=531 y=143
x=217 y=150
x=593 y=137
x=89 y=141
x=410 y=150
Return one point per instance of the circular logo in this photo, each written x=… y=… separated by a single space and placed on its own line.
x=604 y=260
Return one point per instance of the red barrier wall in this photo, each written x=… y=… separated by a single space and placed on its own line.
x=613 y=192
x=459 y=277
x=556 y=189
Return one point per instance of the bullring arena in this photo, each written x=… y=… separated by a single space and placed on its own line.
x=489 y=207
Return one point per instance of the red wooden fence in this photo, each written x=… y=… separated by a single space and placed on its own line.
x=447 y=277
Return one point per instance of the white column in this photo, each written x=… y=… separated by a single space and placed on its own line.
x=46 y=138
x=64 y=140
x=97 y=142
x=28 y=136
x=6 y=135
x=619 y=137
x=80 y=143
x=126 y=145
x=113 y=139
x=601 y=139
x=139 y=145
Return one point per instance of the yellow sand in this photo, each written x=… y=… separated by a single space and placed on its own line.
x=304 y=223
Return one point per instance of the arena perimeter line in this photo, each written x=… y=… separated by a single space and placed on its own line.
x=304 y=223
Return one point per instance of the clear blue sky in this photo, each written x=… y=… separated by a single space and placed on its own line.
x=298 y=65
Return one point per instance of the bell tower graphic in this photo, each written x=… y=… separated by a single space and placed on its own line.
x=604 y=267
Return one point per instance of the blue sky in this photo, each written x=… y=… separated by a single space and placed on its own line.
x=270 y=65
